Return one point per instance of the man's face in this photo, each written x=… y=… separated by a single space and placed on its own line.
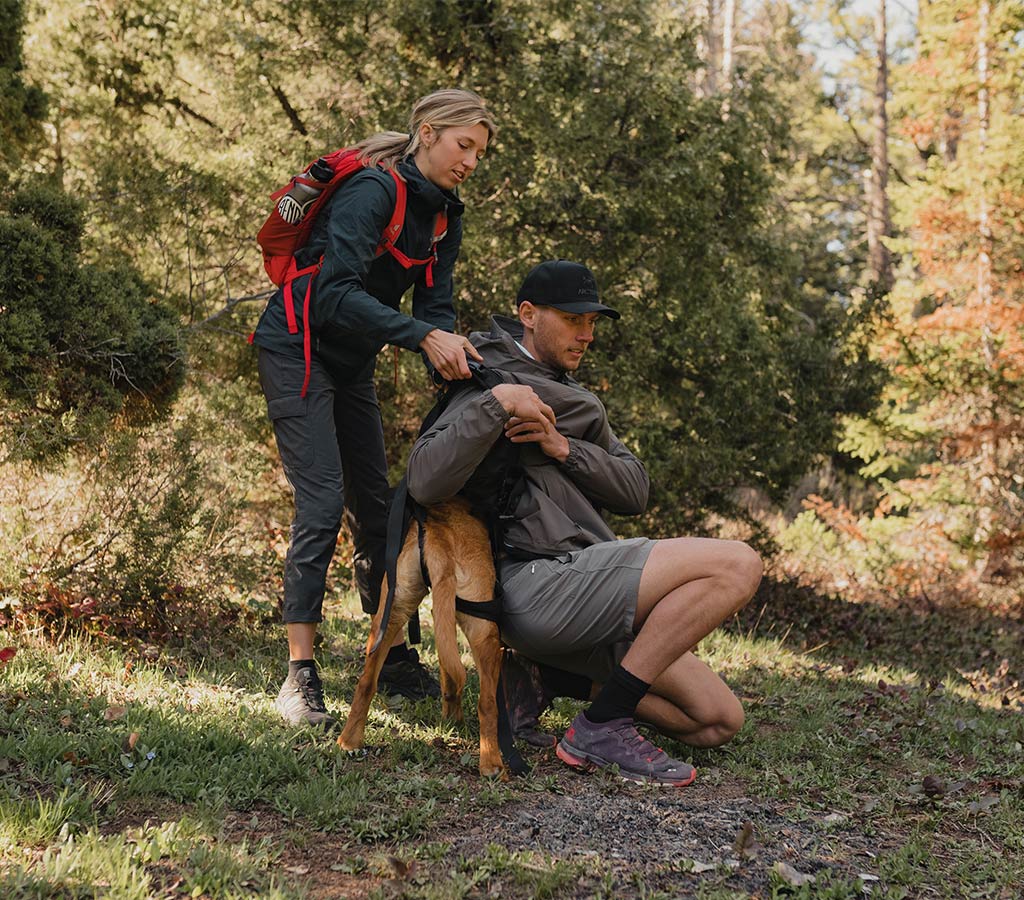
x=556 y=337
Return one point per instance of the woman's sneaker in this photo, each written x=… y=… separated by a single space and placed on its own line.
x=301 y=700
x=409 y=679
x=589 y=745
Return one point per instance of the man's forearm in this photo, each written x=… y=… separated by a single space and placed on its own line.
x=443 y=460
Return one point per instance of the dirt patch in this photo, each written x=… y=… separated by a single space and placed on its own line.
x=674 y=838
x=624 y=838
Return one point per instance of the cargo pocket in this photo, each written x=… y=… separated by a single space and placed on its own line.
x=291 y=428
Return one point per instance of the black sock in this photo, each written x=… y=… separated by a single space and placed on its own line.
x=397 y=654
x=295 y=664
x=618 y=698
x=560 y=683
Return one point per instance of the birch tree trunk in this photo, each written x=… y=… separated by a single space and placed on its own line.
x=879 y=222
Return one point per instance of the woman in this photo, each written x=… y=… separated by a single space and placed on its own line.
x=324 y=408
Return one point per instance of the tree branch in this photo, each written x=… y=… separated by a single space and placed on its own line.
x=289 y=110
x=230 y=304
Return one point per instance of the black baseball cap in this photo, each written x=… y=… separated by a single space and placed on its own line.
x=565 y=285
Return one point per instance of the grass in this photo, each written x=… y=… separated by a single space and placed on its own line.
x=146 y=772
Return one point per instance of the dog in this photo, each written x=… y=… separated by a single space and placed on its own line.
x=459 y=563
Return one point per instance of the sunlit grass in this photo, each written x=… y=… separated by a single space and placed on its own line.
x=91 y=732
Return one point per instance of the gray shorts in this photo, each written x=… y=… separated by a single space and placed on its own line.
x=575 y=612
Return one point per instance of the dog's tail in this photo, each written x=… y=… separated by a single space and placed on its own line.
x=439 y=556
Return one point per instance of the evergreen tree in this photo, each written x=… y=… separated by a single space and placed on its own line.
x=947 y=443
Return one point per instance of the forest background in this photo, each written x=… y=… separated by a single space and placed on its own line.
x=813 y=230
x=818 y=256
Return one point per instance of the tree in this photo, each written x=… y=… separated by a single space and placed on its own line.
x=80 y=345
x=735 y=363
x=22 y=106
x=947 y=443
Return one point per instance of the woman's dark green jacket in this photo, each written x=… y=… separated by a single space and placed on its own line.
x=354 y=307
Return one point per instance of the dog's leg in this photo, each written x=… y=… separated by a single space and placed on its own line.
x=486 y=644
x=408 y=594
x=439 y=554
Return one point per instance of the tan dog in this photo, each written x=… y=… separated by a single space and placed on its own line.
x=458 y=560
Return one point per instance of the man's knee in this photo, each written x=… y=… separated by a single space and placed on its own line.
x=726 y=724
x=745 y=570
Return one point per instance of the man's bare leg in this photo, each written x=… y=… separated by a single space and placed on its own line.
x=688 y=587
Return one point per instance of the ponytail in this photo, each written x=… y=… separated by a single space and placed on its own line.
x=448 y=108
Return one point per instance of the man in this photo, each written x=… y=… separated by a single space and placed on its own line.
x=624 y=615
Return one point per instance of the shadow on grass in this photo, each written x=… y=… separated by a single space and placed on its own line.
x=982 y=648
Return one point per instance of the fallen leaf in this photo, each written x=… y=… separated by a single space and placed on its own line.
x=130 y=742
x=869 y=805
x=746 y=845
x=867 y=876
x=74 y=670
x=71 y=757
x=7 y=654
x=298 y=870
x=834 y=819
x=113 y=713
x=697 y=866
x=984 y=803
x=791 y=876
x=401 y=868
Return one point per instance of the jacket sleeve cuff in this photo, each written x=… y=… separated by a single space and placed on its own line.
x=572 y=461
x=419 y=330
x=493 y=406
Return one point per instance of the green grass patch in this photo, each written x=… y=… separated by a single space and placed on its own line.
x=137 y=772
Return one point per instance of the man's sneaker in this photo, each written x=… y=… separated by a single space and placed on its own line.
x=409 y=679
x=301 y=700
x=526 y=697
x=590 y=746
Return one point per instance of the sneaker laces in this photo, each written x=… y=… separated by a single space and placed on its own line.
x=312 y=691
x=640 y=745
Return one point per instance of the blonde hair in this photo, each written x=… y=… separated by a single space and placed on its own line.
x=452 y=107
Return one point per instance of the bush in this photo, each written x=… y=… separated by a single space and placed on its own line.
x=83 y=348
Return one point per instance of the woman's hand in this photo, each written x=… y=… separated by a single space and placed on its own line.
x=531 y=420
x=447 y=353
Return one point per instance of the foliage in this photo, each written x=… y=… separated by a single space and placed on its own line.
x=732 y=362
x=148 y=540
x=22 y=105
x=945 y=445
x=80 y=345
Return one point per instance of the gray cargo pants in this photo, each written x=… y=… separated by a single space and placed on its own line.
x=332 y=446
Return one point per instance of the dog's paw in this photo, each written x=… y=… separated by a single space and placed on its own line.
x=496 y=771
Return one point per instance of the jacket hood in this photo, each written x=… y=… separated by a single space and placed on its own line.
x=423 y=191
x=500 y=351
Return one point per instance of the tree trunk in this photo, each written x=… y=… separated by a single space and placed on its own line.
x=728 y=30
x=991 y=512
x=707 y=49
x=879 y=223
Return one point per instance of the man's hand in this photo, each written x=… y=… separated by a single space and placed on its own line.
x=447 y=353
x=531 y=420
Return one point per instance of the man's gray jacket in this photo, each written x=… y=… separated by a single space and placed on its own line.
x=560 y=508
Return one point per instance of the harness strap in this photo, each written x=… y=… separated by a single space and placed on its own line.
x=398 y=522
x=489 y=610
x=506 y=740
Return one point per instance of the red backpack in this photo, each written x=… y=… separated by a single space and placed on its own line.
x=291 y=221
